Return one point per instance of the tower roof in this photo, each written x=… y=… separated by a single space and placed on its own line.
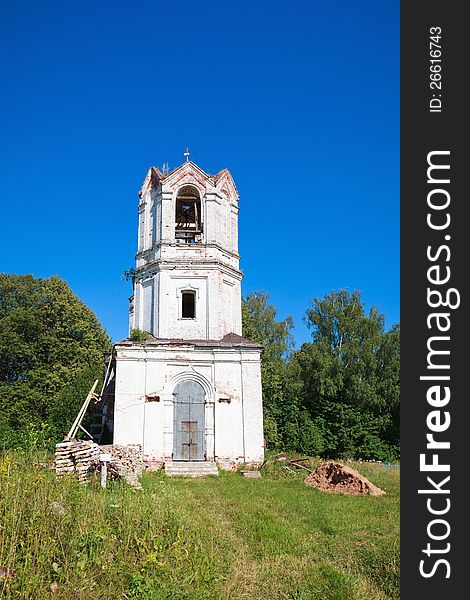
x=230 y=340
x=155 y=175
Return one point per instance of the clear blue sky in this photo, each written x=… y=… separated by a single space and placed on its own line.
x=300 y=100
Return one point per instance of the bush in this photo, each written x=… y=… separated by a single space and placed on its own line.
x=137 y=335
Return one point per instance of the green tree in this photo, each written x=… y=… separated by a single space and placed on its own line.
x=350 y=377
x=260 y=325
x=51 y=345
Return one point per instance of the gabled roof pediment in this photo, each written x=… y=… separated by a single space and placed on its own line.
x=224 y=179
x=188 y=173
x=185 y=172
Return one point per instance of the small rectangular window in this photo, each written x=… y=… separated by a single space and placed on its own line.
x=188 y=305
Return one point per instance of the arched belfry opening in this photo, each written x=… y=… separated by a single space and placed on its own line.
x=188 y=222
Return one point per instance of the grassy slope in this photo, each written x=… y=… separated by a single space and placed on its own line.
x=225 y=537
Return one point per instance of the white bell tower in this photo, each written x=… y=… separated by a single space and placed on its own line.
x=190 y=390
x=187 y=277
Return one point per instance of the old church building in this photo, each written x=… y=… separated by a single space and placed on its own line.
x=191 y=392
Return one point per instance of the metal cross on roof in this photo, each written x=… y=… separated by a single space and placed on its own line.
x=187 y=154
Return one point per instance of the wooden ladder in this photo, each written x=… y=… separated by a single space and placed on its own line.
x=99 y=416
x=77 y=424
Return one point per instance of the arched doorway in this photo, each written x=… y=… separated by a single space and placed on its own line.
x=188 y=421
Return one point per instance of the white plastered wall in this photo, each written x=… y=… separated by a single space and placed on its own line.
x=233 y=417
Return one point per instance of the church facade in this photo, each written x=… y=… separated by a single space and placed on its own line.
x=190 y=392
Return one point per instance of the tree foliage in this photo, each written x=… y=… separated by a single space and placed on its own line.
x=338 y=395
x=350 y=375
x=51 y=350
x=260 y=325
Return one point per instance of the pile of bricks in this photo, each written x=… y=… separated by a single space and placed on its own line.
x=126 y=463
x=76 y=457
x=83 y=458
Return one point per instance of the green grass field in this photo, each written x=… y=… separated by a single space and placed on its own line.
x=226 y=537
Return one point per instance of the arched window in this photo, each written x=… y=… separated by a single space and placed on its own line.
x=188 y=305
x=188 y=226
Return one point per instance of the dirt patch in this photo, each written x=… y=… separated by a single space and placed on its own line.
x=335 y=477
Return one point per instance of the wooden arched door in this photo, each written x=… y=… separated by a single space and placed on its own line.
x=188 y=421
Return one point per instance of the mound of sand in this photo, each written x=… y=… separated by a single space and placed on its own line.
x=335 y=477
